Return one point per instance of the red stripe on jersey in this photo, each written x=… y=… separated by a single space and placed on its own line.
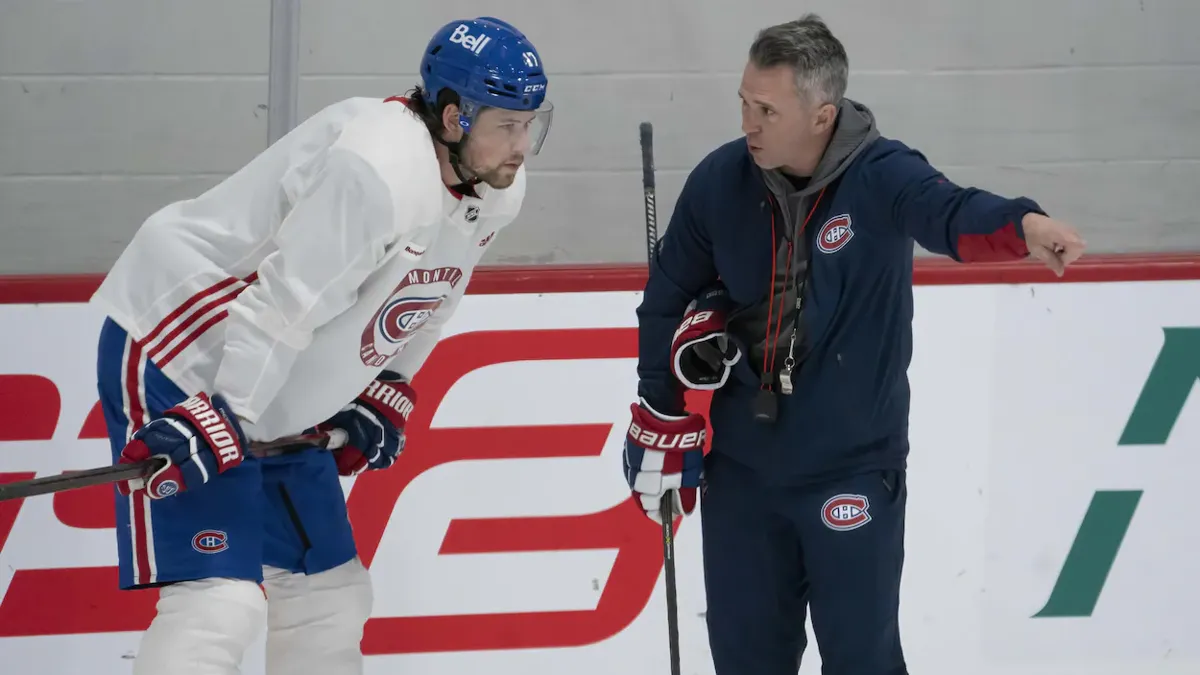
x=217 y=296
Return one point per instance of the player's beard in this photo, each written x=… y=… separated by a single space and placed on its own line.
x=499 y=176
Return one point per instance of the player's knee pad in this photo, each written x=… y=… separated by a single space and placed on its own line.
x=202 y=626
x=316 y=621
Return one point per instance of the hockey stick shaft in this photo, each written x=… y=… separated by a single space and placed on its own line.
x=666 y=513
x=117 y=473
x=646 y=131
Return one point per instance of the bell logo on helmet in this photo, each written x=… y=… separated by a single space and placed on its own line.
x=473 y=43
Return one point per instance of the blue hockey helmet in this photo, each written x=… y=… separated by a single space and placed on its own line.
x=488 y=63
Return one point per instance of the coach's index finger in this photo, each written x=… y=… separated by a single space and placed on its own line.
x=1073 y=247
x=1050 y=257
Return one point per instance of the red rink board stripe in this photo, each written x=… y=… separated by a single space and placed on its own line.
x=505 y=279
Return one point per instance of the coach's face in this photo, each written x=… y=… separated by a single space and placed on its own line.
x=782 y=128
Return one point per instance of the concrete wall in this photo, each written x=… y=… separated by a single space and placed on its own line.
x=110 y=109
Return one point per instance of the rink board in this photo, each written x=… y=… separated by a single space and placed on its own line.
x=1052 y=484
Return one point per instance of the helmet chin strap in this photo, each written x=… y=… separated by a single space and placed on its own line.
x=455 y=150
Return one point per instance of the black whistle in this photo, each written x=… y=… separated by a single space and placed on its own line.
x=766 y=406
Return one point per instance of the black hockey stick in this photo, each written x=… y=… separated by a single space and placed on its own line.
x=647 y=137
x=117 y=473
x=665 y=513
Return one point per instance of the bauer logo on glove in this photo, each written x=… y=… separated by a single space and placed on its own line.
x=702 y=353
x=664 y=458
x=665 y=442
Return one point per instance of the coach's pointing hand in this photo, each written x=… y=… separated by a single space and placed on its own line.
x=1053 y=242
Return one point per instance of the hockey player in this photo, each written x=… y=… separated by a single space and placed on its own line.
x=303 y=291
x=784 y=282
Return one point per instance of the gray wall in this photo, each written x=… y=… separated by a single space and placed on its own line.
x=110 y=109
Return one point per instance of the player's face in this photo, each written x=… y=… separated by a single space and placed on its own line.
x=497 y=145
x=780 y=124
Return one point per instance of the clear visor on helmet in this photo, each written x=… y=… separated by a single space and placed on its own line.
x=523 y=131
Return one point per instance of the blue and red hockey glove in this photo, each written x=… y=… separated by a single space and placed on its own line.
x=200 y=438
x=664 y=455
x=374 y=425
x=702 y=352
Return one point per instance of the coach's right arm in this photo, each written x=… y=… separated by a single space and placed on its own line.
x=664 y=446
x=681 y=268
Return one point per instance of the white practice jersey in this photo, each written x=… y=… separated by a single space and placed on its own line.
x=289 y=286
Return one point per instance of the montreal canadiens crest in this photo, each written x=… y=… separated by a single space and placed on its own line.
x=210 y=542
x=410 y=306
x=834 y=234
x=846 y=512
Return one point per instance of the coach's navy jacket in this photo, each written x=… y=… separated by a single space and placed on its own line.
x=851 y=264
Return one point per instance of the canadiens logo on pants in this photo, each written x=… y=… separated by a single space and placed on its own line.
x=845 y=512
x=210 y=541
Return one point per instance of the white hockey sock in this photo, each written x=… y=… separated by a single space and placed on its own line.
x=202 y=628
x=315 y=622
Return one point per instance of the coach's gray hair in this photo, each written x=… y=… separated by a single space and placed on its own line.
x=808 y=47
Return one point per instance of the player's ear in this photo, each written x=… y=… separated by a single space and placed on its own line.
x=451 y=129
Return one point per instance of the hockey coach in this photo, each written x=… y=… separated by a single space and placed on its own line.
x=784 y=282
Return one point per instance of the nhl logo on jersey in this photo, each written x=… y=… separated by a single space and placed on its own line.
x=845 y=512
x=834 y=234
x=472 y=214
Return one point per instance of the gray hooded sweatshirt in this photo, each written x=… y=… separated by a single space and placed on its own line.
x=795 y=195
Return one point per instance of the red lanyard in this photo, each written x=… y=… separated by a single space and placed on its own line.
x=773 y=343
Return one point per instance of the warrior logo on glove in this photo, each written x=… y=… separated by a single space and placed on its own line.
x=374 y=425
x=217 y=431
x=198 y=439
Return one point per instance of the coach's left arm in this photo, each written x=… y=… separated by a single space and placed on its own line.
x=965 y=223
